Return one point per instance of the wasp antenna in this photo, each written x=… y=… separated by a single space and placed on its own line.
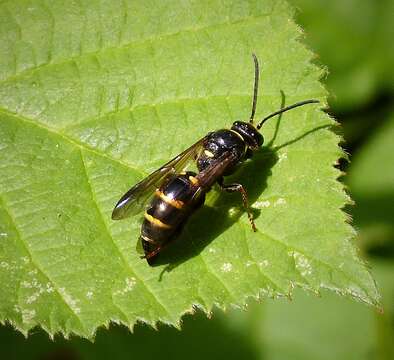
x=301 y=103
x=256 y=86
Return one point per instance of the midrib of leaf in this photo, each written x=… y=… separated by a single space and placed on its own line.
x=213 y=273
x=120 y=253
x=263 y=236
x=151 y=292
x=277 y=286
x=217 y=278
x=190 y=283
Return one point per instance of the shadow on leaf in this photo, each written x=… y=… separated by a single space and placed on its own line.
x=210 y=221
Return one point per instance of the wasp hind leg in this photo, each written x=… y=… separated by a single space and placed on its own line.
x=152 y=249
x=239 y=188
x=149 y=248
x=152 y=253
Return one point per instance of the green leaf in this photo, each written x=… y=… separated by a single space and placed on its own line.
x=268 y=330
x=372 y=161
x=325 y=322
x=358 y=69
x=371 y=180
x=95 y=95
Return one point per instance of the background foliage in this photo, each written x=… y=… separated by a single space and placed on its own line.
x=308 y=327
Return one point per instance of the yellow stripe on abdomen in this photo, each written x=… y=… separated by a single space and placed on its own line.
x=173 y=202
x=156 y=222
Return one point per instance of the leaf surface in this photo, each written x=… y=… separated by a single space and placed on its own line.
x=95 y=95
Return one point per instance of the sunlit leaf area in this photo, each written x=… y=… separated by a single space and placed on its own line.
x=95 y=95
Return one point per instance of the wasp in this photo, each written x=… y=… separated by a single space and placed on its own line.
x=176 y=194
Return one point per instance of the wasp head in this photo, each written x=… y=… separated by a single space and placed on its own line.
x=253 y=138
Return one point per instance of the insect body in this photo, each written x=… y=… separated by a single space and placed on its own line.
x=178 y=194
x=170 y=208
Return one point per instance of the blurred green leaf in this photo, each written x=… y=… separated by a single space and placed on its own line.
x=354 y=39
x=307 y=327
x=371 y=180
x=93 y=95
x=200 y=338
x=330 y=327
x=372 y=170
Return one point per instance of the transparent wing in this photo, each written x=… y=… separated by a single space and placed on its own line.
x=136 y=198
x=138 y=247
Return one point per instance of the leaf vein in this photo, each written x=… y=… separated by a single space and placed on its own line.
x=314 y=258
x=71 y=140
x=35 y=263
x=212 y=273
x=131 y=44
x=126 y=264
x=254 y=260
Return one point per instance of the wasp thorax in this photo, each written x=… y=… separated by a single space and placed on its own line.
x=251 y=135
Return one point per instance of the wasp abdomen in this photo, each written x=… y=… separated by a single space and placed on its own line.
x=170 y=208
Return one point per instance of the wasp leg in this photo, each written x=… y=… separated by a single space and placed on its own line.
x=239 y=188
x=145 y=241
x=153 y=253
x=150 y=255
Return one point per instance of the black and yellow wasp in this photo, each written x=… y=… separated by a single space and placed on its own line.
x=178 y=194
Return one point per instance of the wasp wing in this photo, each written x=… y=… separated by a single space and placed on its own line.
x=139 y=248
x=134 y=200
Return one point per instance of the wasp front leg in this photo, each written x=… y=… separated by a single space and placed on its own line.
x=239 y=188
